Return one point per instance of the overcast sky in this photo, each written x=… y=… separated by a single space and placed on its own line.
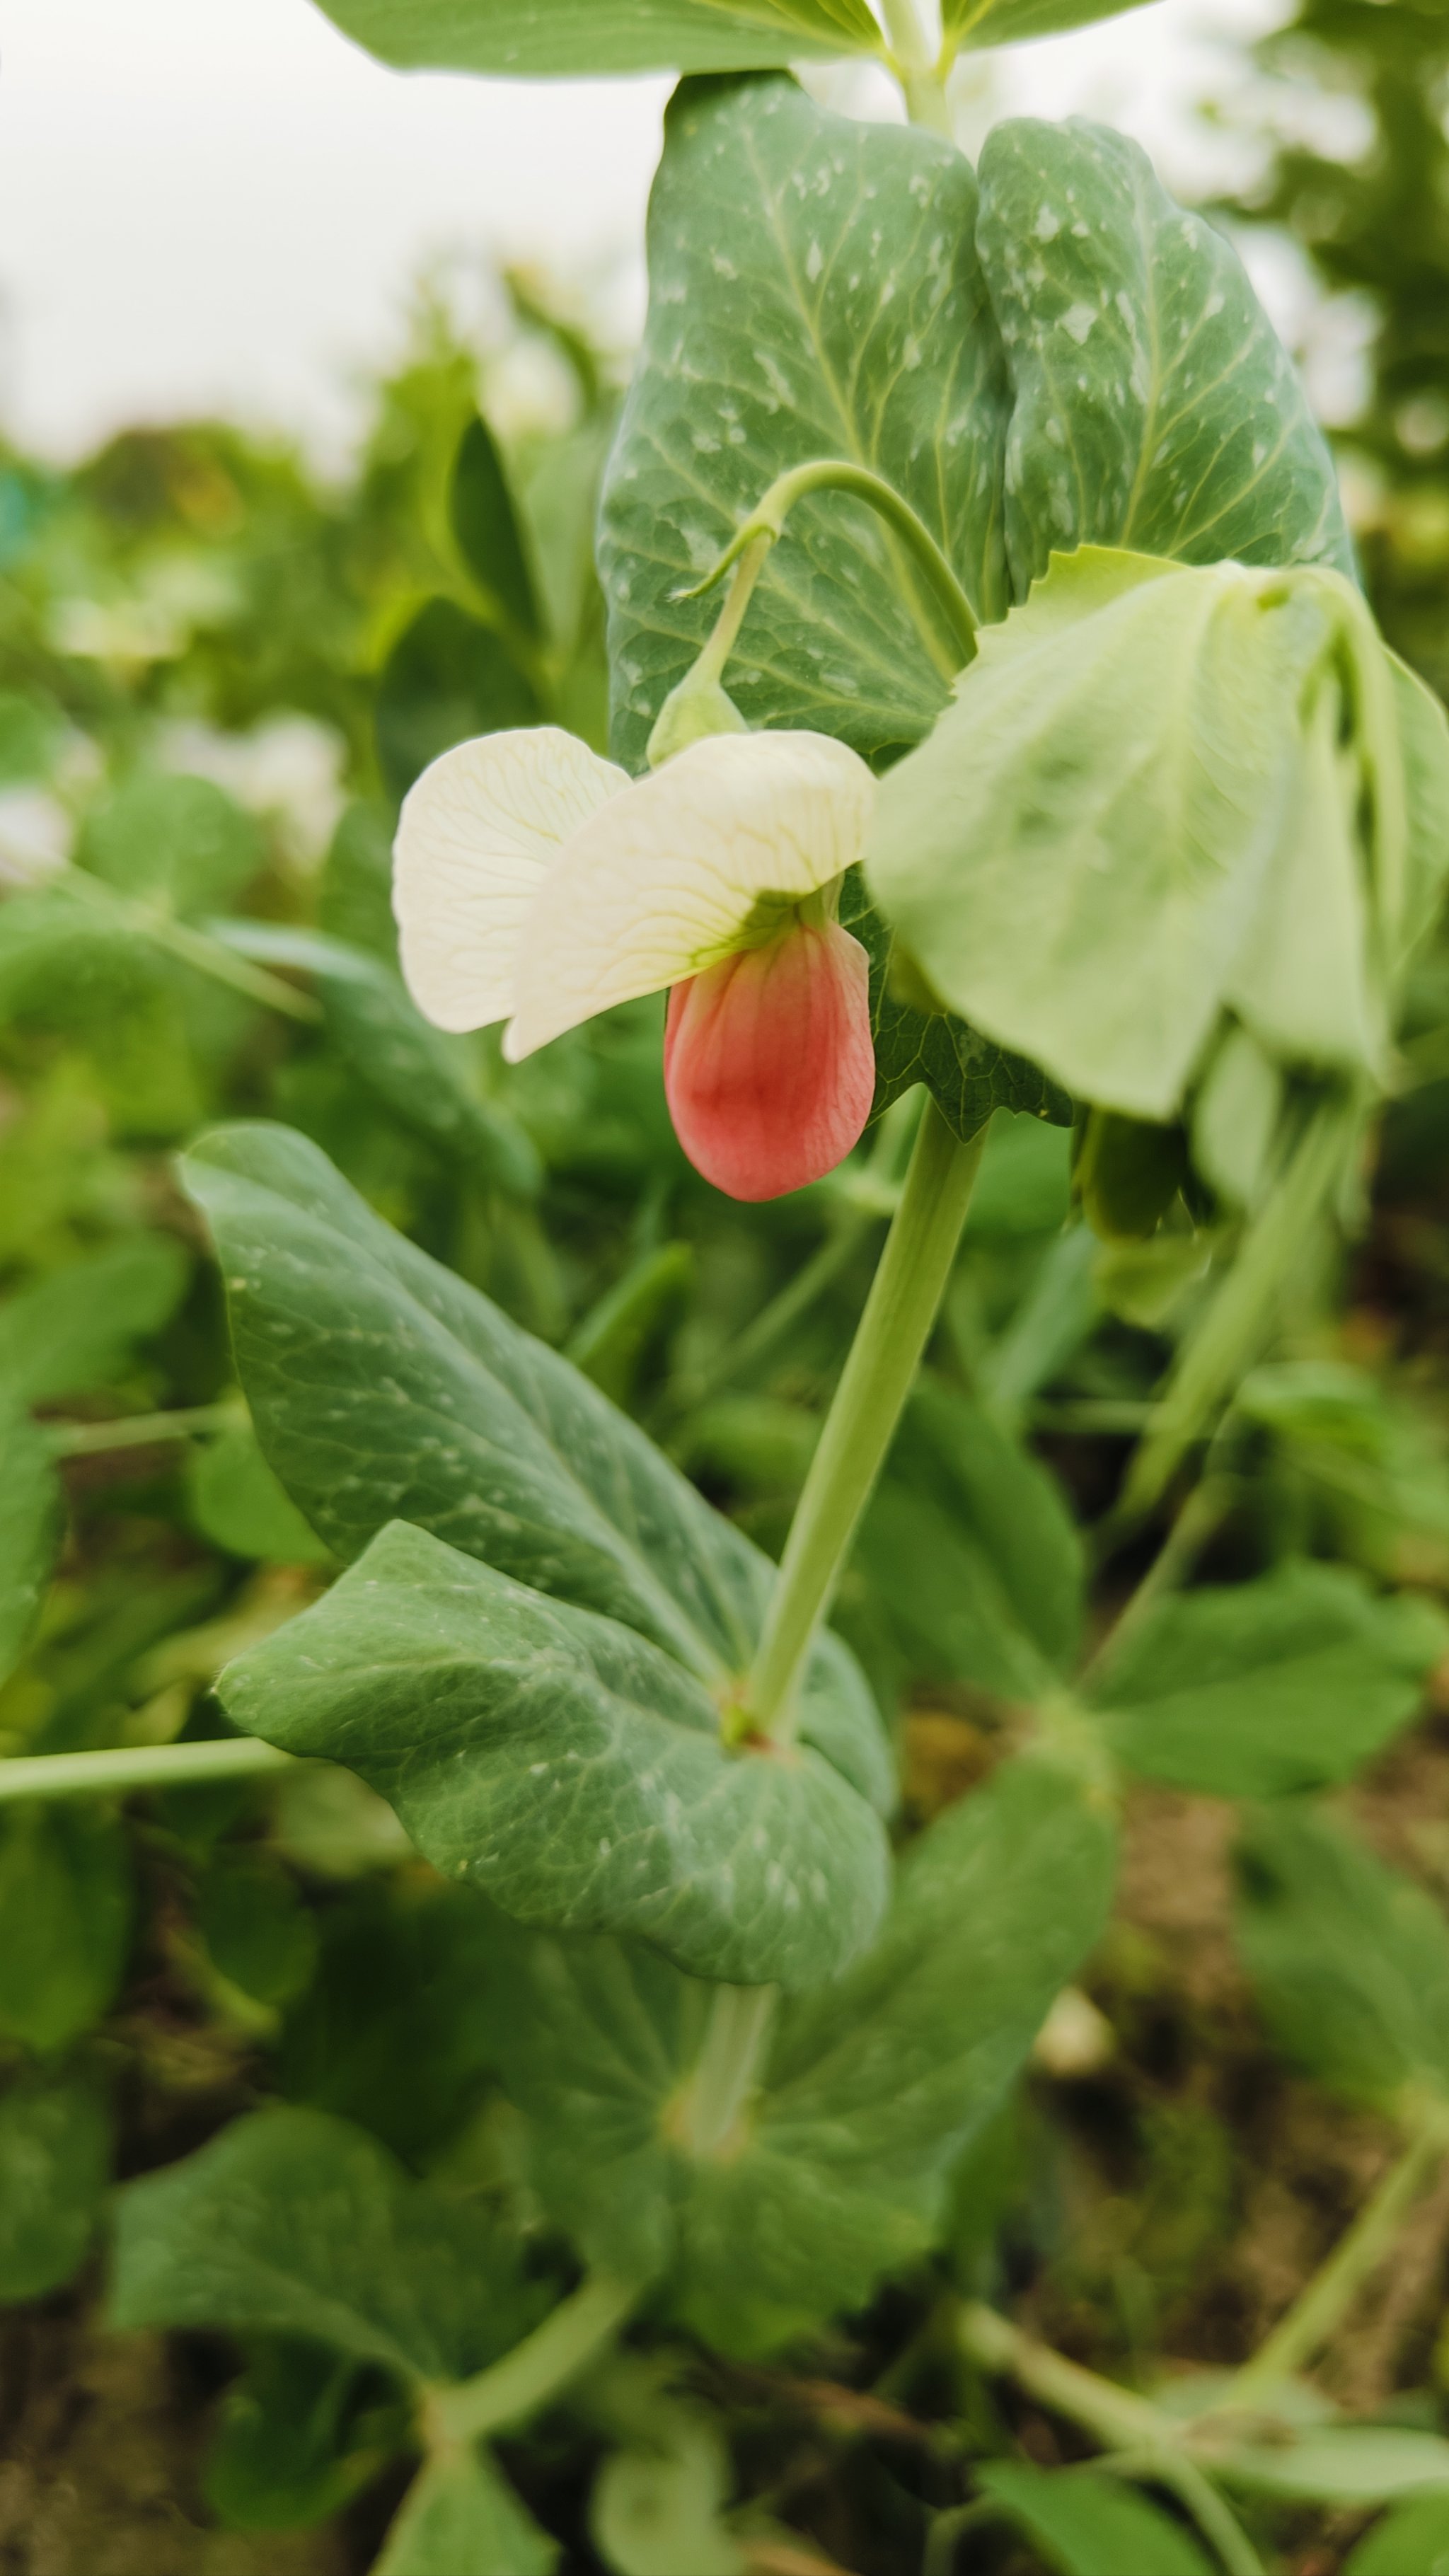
x=219 y=203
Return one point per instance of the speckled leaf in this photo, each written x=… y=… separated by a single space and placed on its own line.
x=1155 y=407
x=967 y=1075
x=382 y=1387
x=580 y=36
x=814 y=291
x=294 y=2223
x=872 y=2086
x=568 y=1767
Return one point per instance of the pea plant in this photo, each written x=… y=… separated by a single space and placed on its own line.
x=1009 y=788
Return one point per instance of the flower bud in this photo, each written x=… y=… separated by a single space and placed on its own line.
x=769 y=1065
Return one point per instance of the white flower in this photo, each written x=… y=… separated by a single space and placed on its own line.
x=536 y=883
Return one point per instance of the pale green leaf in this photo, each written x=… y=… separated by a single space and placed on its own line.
x=1077 y=855
x=1089 y=2525
x=575 y=37
x=30 y=1513
x=1154 y=405
x=567 y=1767
x=1424 y=732
x=74 y=1328
x=872 y=2087
x=293 y=2223
x=1265 y=1688
x=1349 y=1959
x=181 y=844
x=461 y=2518
x=384 y=1388
x=55 y=2167
x=238 y=1504
x=1341 y=2464
x=1413 y=2541
x=814 y=292
x=65 y=1920
x=971 y=24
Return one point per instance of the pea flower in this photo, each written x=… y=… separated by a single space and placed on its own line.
x=536 y=883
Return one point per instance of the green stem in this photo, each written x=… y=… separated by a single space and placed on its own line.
x=1113 y=2415
x=1241 y=1315
x=140 y=1430
x=766 y=525
x=538 y=2368
x=1215 y=2518
x=729 y=2066
x=1207 y=1506
x=1357 y=2256
x=894 y=1329
x=137 y=1766
x=922 y=75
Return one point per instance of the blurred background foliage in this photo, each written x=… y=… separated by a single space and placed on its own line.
x=218 y=675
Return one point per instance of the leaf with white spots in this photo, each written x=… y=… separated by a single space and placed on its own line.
x=569 y=1768
x=1154 y=406
x=872 y=2088
x=814 y=292
x=382 y=1387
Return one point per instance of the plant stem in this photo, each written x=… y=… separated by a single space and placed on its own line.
x=921 y=74
x=536 y=2369
x=894 y=1329
x=766 y=525
x=1238 y=1320
x=140 y=1430
x=1117 y=2419
x=729 y=2066
x=1206 y=1507
x=1357 y=2255
x=1214 y=2517
x=137 y=1766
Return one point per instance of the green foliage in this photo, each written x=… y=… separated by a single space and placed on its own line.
x=1413 y=2540
x=288 y=2450
x=1087 y=2525
x=1154 y=407
x=238 y=1504
x=487 y=531
x=178 y=843
x=447 y=677
x=29 y=1530
x=293 y=2223
x=55 y=2165
x=60 y=1335
x=568 y=1767
x=769 y=343
x=1350 y=1960
x=872 y=2087
x=580 y=36
x=65 y=1921
x=1286 y=1684
x=256 y=1929
x=460 y=2516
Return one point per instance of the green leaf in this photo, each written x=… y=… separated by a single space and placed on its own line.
x=567 y=1767
x=577 y=37
x=1413 y=2541
x=1350 y=1961
x=55 y=2169
x=257 y=1930
x=872 y=2087
x=30 y=1517
x=447 y=678
x=972 y=1551
x=967 y=1075
x=487 y=530
x=286 y=2453
x=1261 y=1689
x=238 y=1504
x=1424 y=731
x=355 y=897
x=383 y=1387
x=180 y=843
x=1340 y=2464
x=293 y=2223
x=1088 y=2525
x=423 y=1077
x=65 y=1921
x=655 y=2511
x=67 y=958
x=74 y=1328
x=1154 y=406
x=461 y=2518
x=1077 y=856
x=814 y=292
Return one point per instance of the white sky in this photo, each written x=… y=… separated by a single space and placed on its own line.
x=219 y=203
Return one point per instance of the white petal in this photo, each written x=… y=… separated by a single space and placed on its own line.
x=478 y=833
x=660 y=884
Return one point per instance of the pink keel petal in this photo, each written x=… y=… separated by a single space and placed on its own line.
x=769 y=1067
